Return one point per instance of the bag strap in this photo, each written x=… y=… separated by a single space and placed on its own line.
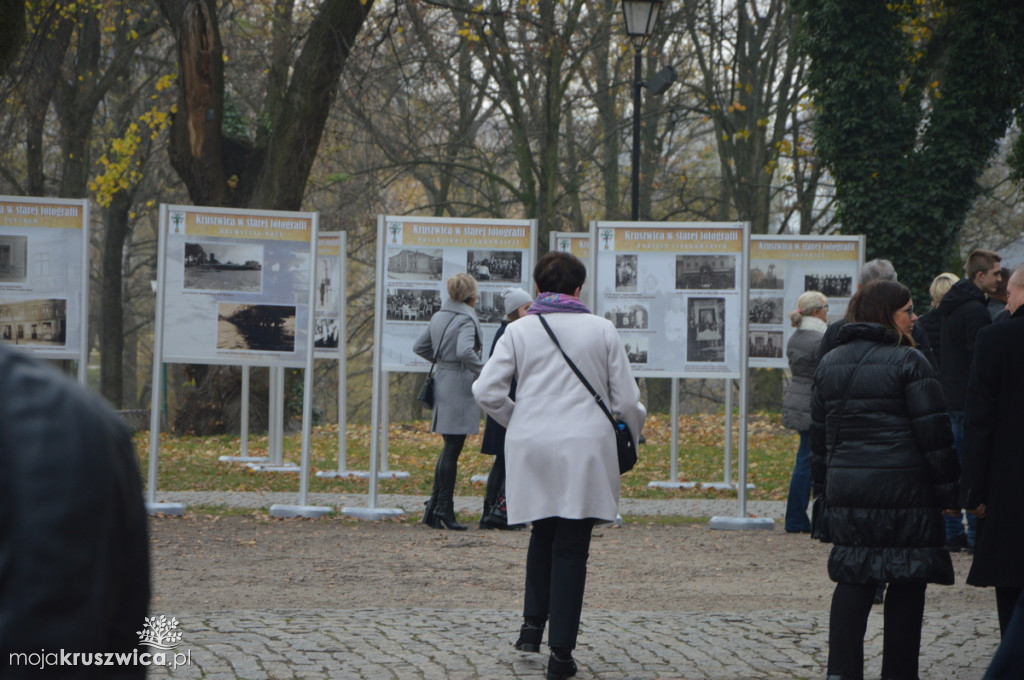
x=593 y=392
x=846 y=392
x=438 y=352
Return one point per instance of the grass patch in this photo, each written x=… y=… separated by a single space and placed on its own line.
x=191 y=463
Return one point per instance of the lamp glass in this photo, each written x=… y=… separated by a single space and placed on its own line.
x=641 y=16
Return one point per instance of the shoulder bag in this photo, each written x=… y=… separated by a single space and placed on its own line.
x=624 y=445
x=426 y=395
x=819 y=507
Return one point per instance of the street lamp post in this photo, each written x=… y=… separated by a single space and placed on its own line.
x=641 y=16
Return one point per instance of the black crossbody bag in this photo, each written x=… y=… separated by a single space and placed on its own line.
x=426 y=395
x=624 y=445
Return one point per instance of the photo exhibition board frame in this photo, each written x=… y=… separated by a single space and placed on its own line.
x=781 y=269
x=44 y=276
x=330 y=285
x=675 y=292
x=415 y=258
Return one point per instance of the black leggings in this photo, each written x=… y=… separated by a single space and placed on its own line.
x=848 y=621
x=495 y=481
x=446 y=470
x=1006 y=602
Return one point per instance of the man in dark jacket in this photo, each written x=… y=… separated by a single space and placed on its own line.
x=964 y=312
x=993 y=462
x=74 y=552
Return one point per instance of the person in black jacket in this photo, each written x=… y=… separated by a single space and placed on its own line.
x=993 y=462
x=931 y=321
x=74 y=551
x=882 y=457
x=515 y=302
x=965 y=312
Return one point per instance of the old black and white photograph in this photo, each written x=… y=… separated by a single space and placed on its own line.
x=326 y=286
x=235 y=267
x=489 y=307
x=422 y=264
x=765 y=344
x=768 y=276
x=631 y=316
x=625 y=273
x=34 y=322
x=708 y=272
x=705 y=336
x=412 y=304
x=13 y=259
x=495 y=265
x=636 y=349
x=326 y=334
x=255 y=328
x=829 y=285
x=765 y=309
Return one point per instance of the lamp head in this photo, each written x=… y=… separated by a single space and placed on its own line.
x=641 y=17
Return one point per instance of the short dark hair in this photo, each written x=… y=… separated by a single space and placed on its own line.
x=877 y=302
x=981 y=261
x=559 y=272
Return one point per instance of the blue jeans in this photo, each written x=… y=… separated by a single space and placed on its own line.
x=955 y=525
x=800 y=487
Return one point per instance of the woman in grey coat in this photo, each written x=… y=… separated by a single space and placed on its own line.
x=453 y=340
x=809 y=319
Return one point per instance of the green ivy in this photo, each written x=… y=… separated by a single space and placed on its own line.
x=911 y=100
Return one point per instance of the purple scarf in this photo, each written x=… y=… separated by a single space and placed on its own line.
x=557 y=302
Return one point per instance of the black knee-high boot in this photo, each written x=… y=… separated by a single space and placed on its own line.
x=444 y=480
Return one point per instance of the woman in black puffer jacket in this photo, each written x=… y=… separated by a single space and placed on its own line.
x=882 y=456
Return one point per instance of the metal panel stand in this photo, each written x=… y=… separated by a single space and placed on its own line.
x=244 y=456
x=673 y=482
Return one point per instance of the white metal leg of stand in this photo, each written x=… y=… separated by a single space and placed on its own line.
x=342 y=470
x=673 y=482
x=382 y=470
x=275 y=428
x=243 y=454
x=727 y=482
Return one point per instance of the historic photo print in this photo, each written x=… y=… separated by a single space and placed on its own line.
x=424 y=264
x=326 y=334
x=625 y=273
x=830 y=285
x=256 y=328
x=235 y=267
x=768 y=276
x=411 y=304
x=705 y=336
x=34 y=322
x=631 y=316
x=713 y=272
x=765 y=344
x=766 y=309
x=495 y=265
x=13 y=259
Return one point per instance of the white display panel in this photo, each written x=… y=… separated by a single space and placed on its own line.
x=419 y=254
x=675 y=293
x=236 y=285
x=329 y=291
x=781 y=269
x=577 y=243
x=44 y=280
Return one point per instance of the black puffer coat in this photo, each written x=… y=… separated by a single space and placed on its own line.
x=886 y=465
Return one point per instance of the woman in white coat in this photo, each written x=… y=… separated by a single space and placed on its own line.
x=562 y=470
x=452 y=340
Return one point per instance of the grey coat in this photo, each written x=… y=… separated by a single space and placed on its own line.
x=459 y=360
x=802 y=352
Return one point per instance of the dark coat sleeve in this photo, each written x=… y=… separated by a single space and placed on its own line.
x=931 y=428
x=980 y=421
x=818 y=447
x=924 y=345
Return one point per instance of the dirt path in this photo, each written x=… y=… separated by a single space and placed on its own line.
x=205 y=563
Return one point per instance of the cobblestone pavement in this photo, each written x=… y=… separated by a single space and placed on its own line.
x=475 y=644
x=455 y=644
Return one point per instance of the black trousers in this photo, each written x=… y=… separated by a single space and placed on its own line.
x=848 y=621
x=1008 y=662
x=445 y=471
x=556 y=574
x=495 y=482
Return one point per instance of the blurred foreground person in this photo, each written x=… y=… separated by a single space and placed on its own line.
x=74 y=551
x=562 y=470
x=882 y=456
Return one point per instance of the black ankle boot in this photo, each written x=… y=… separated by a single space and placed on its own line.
x=429 y=518
x=446 y=519
x=560 y=667
x=530 y=636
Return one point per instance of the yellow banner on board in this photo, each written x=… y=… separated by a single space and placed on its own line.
x=38 y=214
x=244 y=225
x=513 y=237
x=631 y=239
x=810 y=249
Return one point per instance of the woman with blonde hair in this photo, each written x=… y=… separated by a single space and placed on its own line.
x=931 y=321
x=453 y=343
x=809 y=318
